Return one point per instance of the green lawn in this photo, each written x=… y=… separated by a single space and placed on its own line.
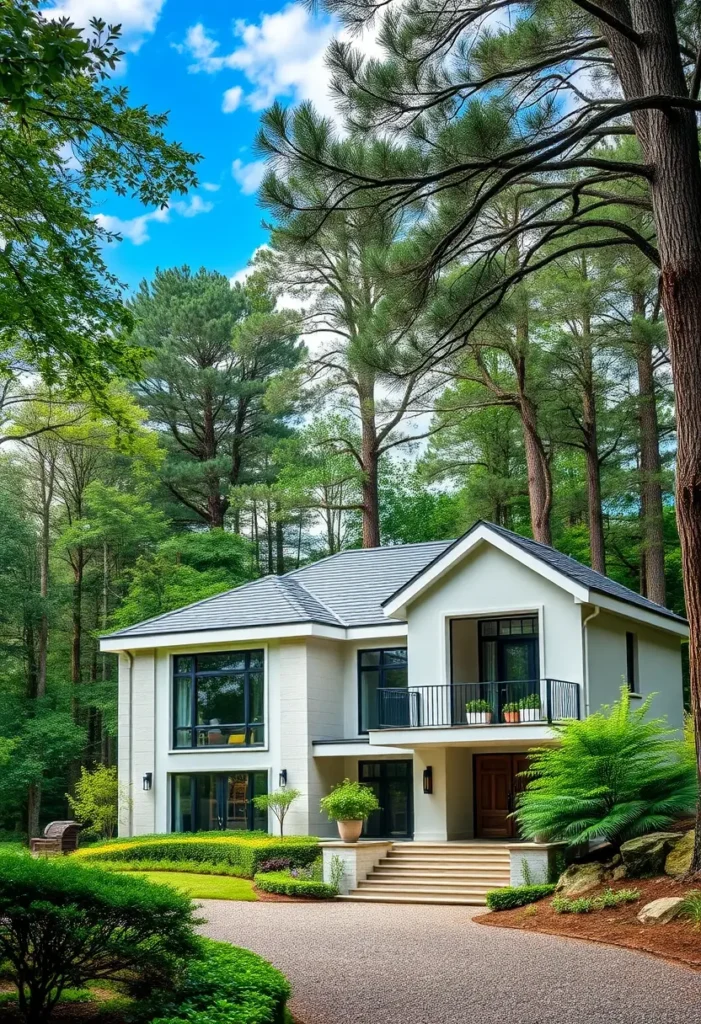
x=203 y=887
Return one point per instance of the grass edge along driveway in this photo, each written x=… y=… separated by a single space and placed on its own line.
x=203 y=887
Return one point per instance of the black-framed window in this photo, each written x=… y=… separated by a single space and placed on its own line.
x=508 y=649
x=632 y=662
x=378 y=668
x=219 y=699
x=205 y=802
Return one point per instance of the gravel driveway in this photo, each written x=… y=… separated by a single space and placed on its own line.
x=352 y=963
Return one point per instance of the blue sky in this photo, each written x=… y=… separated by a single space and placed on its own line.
x=215 y=66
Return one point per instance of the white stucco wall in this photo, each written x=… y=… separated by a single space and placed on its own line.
x=489 y=582
x=659 y=665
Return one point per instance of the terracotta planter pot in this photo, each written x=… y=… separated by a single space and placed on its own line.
x=349 y=831
x=511 y=717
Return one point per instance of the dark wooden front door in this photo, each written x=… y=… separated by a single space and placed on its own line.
x=496 y=786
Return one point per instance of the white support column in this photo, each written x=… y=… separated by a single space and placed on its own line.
x=534 y=863
x=430 y=809
x=358 y=860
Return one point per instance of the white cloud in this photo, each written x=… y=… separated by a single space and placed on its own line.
x=210 y=186
x=282 y=55
x=249 y=176
x=231 y=99
x=242 y=275
x=137 y=17
x=192 y=207
x=136 y=229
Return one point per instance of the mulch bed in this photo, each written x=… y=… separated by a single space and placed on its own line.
x=678 y=941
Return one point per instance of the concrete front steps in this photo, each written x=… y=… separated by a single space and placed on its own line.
x=450 y=873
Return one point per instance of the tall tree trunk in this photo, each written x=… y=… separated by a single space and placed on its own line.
x=540 y=488
x=597 y=549
x=33 y=809
x=651 y=506
x=279 y=543
x=77 y=616
x=670 y=146
x=370 y=460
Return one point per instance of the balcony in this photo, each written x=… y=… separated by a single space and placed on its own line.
x=529 y=701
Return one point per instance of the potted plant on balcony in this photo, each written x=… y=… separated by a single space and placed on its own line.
x=350 y=804
x=479 y=712
x=511 y=712
x=529 y=708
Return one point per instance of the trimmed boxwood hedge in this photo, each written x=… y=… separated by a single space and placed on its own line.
x=284 y=884
x=245 y=851
x=517 y=896
x=224 y=985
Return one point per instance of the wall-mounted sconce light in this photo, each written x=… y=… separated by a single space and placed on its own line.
x=428 y=779
x=148 y=781
x=283 y=778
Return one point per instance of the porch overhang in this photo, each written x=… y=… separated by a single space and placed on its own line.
x=486 y=737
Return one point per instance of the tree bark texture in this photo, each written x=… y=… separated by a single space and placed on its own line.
x=669 y=141
x=370 y=461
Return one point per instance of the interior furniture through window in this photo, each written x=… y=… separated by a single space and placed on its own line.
x=205 y=802
x=219 y=699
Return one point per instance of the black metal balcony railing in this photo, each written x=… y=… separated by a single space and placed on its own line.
x=529 y=700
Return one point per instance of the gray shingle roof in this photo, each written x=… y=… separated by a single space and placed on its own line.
x=343 y=590
x=350 y=588
x=569 y=567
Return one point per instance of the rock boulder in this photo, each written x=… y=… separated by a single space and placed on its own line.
x=645 y=856
x=678 y=861
x=580 y=878
x=661 y=911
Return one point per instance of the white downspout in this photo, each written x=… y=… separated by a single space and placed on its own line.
x=585 y=648
x=130 y=788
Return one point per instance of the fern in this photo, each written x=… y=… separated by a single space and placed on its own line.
x=614 y=776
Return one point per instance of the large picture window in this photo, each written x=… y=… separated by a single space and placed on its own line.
x=209 y=803
x=385 y=667
x=218 y=700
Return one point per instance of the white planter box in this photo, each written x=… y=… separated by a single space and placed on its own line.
x=479 y=717
x=530 y=715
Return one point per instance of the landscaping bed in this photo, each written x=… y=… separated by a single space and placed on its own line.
x=678 y=940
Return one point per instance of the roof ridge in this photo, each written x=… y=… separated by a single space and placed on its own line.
x=318 y=600
x=357 y=551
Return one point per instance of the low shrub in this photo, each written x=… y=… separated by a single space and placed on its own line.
x=223 y=985
x=243 y=850
x=517 y=896
x=196 y=867
x=586 y=904
x=283 y=883
x=276 y=864
x=63 y=925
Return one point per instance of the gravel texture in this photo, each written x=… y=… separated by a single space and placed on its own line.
x=352 y=963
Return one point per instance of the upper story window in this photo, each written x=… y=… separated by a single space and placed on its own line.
x=219 y=700
x=384 y=667
x=509 y=649
x=632 y=662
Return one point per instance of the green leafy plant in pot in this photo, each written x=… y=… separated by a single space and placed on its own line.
x=529 y=708
x=349 y=804
x=510 y=712
x=479 y=712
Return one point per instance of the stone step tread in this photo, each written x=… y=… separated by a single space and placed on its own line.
x=467 y=845
x=443 y=862
x=375 y=885
x=456 y=872
x=443 y=879
x=361 y=897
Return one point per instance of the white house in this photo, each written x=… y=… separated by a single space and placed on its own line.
x=425 y=670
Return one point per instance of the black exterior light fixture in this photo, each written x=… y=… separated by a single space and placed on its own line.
x=428 y=779
x=283 y=778
x=148 y=781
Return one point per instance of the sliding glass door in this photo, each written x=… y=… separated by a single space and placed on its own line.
x=205 y=802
